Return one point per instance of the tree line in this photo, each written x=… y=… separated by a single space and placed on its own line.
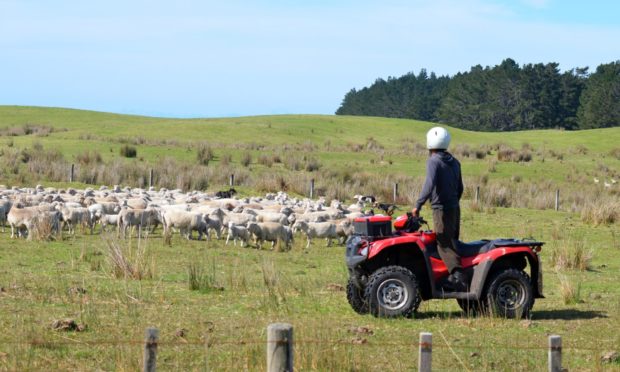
x=505 y=97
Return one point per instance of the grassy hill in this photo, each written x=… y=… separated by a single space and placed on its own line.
x=222 y=325
x=345 y=155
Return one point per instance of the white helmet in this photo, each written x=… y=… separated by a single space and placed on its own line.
x=437 y=139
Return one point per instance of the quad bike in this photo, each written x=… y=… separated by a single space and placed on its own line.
x=390 y=273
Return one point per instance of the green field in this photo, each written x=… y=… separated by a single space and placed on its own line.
x=225 y=324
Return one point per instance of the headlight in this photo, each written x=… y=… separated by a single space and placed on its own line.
x=364 y=251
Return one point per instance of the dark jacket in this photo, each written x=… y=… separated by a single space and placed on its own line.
x=443 y=184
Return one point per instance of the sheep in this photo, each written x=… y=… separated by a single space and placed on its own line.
x=186 y=222
x=107 y=219
x=76 y=216
x=19 y=218
x=268 y=231
x=213 y=223
x=317 y=230
x=5 y=207
x=142 y=218
x=237 y=232
x=239 y=219
x=280 y=218
x=344 y=229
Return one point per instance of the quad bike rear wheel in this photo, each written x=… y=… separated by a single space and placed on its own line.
x=392 y=291
x=356 y=299
x=510 y=294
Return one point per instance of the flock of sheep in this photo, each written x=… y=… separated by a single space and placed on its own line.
x=274 y=218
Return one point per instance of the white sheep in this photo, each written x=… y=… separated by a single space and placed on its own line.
x=186 y=222
x=237 y=232
x=312 y=230
x=268 y=231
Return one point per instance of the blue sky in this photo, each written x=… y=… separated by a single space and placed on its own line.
x=190 y=58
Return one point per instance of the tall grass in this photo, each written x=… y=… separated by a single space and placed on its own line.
x=202 y=277
x=570 y=293
x=127 y=262
x=572 y=254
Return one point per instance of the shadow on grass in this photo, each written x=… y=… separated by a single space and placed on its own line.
x=562 y=314
x=439 y=314
x=567 y=314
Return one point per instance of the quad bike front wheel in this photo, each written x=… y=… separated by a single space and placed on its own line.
x=510 y=294
x=392 y=291
x=356 y=299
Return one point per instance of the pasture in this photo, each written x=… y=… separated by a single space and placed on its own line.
x=221 y=323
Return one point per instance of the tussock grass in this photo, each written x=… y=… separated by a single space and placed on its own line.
x=45 y=228
x=128 y=151
x=602 y=211
x=127 y=262
x=201 y=276
x=572 y=254
x=570 y=292
x=204 y=153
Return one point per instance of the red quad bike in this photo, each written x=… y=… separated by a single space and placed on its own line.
x=390 y=273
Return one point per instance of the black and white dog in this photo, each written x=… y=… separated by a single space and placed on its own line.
x=226 y=194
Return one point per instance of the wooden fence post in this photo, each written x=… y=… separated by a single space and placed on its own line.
x=151 y=178
x=557 y=199
x=232 y=180
x=280 y=347
x=477 y=194
x=425 y=355
x=72 y=173
x=395 y=192
x=150 y=350
x=312 y=188
x=555 y=353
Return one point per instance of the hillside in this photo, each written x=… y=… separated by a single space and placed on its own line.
x=345 y=154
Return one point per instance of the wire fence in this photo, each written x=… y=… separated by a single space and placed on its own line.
x=280 y=347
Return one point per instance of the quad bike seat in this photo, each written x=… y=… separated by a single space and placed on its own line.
x=472 y=248
x=480 y=246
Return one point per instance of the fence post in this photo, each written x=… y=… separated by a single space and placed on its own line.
x=477 y=194
x=232 y=180
x=555 y=353
x=312 y=188
x=279 y=347
x=395 y=191
x=72 y=173
x=425 y=356
x=150 y=349
x=151 y=178
x=557 y=199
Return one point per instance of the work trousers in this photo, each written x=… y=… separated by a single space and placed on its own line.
x=447 y=224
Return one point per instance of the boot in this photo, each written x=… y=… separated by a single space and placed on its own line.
x=458 y=280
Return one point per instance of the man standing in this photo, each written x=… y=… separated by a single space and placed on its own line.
x=444 y=187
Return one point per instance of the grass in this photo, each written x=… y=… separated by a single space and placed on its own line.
x=256 y=288
x=239 y=291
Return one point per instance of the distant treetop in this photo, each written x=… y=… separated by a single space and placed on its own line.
x=505 y=97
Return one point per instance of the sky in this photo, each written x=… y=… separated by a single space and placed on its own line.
x=203 y=58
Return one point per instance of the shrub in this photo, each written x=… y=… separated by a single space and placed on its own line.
x=312 y=165
x=246 y=159
x=204 y=154
x=89 y=157
x=128 y=151
x=265 y=160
